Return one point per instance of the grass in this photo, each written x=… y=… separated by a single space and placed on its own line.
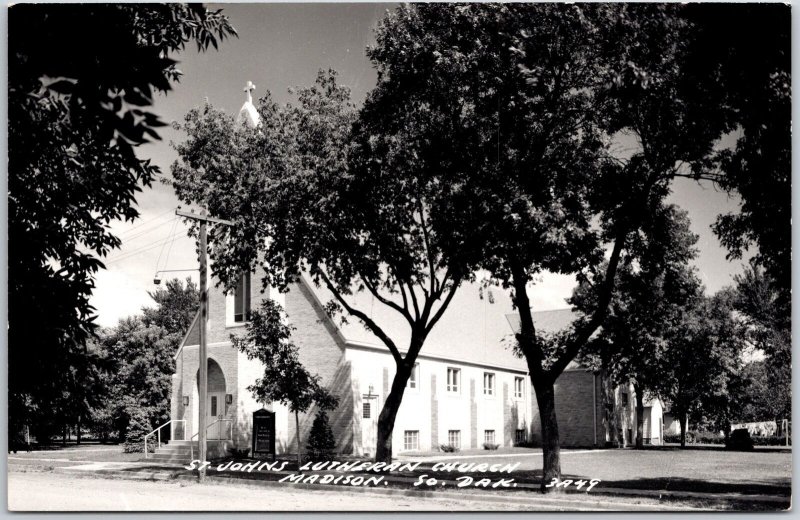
x=661 y=469
x=83 y=452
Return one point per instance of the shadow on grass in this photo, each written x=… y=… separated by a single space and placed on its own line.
x=775 y=486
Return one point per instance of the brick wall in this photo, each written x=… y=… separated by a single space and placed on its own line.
x=574 y=411
x=321 y=353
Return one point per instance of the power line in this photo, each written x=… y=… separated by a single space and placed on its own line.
x=148 y=231
x=142 y=249
x=140 y=224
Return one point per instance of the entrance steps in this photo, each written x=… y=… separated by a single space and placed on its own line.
x=174 y=452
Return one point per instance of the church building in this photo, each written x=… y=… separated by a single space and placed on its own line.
x=467 y=388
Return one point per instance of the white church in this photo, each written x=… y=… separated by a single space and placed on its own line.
x=467 y=388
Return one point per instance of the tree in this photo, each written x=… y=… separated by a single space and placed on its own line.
x=516 y=107
x=653 y=287
x=316 y=190
x=321 y=442
x=768 y=328
x=749 y=49
x=80 y=79
x=176 y=306
x=285 y=379
x=704 y=360
x=138 y=428
x=136 y=358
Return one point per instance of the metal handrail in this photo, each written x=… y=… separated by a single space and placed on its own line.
x=158 y=431
x=218 y=421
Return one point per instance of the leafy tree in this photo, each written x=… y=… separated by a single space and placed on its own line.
x=321 y=442
x=749 y=47
x=136 y=359
x=516 y=107
x=80 y=79
x=768 y=329
x=139 y=377
x=702 y=368
x=285 y=379
x=654 y=285
x=315 y=190
x=175 y=308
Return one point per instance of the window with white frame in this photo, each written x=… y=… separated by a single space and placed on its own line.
x=413 y=379
x=454 y=438
x=519 y=387
x=453 y=380
x=488 y=383
x=241 y=299
x=488 y=436
x=411 y=440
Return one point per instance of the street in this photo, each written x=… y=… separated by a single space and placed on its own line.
x=48 y=491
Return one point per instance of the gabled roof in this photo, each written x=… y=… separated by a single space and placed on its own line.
x=192 y=336
x=476 y=327
x=546 y=321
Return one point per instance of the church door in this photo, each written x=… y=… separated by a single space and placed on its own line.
x=369 y=424
x=215 y=408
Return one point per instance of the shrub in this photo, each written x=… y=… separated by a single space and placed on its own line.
x=449 y=448
x=769 y=440
x=740 y=440
x=102 y=424
x=320 y=440
x=239 y=453
x=694 y=437
x=138 y=427
x=490 y=446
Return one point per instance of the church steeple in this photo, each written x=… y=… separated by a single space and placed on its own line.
x=248 y=114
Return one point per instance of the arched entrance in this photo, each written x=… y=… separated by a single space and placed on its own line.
x=216 y=407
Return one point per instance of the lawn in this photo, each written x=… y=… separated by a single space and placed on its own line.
x=83 y=452
x=670 y=469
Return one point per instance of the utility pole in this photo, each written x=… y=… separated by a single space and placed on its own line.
x=202 y=382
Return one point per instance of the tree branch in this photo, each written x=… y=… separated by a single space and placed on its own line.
x=583 y=334
x=439 y=313
x=402 y=310
x=527 y=334
x=371 y=325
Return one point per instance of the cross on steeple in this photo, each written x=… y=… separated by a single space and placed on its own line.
x=249 y=88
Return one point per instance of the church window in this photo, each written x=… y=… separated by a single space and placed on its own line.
x=411 y=440
x=453 y=380
x=519 y=387
x=488 y=436
x=624 y=399
x=413 y=379
x=519 y=437
x=454 y=438
x=241 y=299
x=367 y=412
x=488 y=383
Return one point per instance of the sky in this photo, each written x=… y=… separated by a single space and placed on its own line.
x=281 y=46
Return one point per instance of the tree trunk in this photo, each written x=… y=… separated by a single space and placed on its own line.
x=639 y=417
x=383 y=451
x=64 y=435
x=551 y=451
x=78 y=431
x=297 y=437
x=682 y=418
